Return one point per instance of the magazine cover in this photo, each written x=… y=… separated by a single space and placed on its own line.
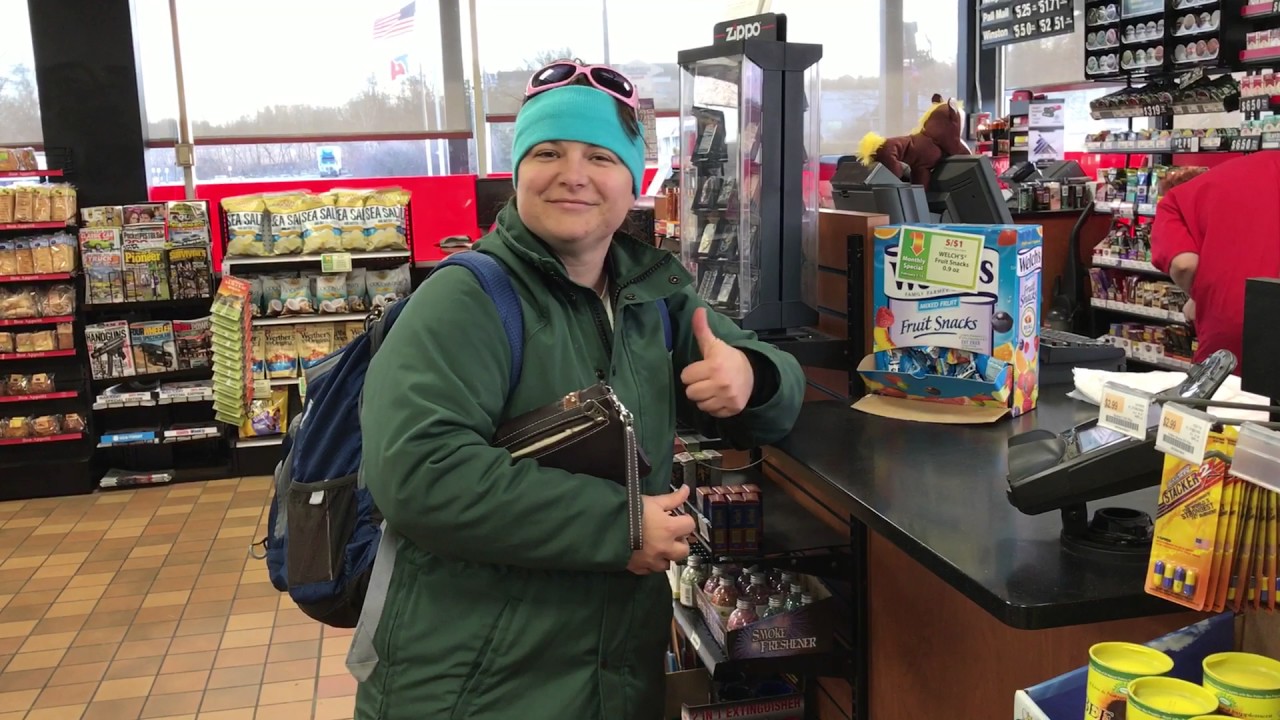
x=146 y=275
x=153 y=346
x=189 y=223
x=194 y=341
x=189 y=273
x=145 y=214
x=100 y=253
x=109 y=352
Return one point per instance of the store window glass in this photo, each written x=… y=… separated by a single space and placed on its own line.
x=299 y=69
x=645 y=39
x=153 y=36
x=1047 y=61
x=19 y=100
x=859 y=94
x=517 y=37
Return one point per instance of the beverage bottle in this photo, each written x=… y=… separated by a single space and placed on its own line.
x=775 y=607
x=743 y=616
x=744 y=580
x=758 y=593
x=793 y=600
x=725 y=598
x=713 y=582
x=691 y=579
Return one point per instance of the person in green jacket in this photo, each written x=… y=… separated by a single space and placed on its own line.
x=515 y=593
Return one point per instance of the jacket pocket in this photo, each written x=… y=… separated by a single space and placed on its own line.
x=482 y=673
x=321 y=518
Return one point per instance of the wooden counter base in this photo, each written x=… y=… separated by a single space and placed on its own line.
x=931 y=651
x=934 y=653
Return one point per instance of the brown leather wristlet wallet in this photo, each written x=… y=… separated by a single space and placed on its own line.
x=587 y=432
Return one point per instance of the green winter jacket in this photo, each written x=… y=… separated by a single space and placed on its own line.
x=510 y=596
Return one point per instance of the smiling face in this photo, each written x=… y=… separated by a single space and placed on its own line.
x=573 y=195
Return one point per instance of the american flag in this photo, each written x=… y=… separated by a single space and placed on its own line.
x=397 y=23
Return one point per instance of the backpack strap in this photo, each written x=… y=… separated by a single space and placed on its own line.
x=666 y=322
x=497 y=285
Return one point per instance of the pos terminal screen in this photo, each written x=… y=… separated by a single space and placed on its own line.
x=1096 y=437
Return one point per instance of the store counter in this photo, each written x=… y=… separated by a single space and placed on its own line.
x=967 y=599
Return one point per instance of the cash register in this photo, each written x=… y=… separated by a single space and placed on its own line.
x=1065 y=471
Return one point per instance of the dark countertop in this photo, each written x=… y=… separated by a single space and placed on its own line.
x=938 y=493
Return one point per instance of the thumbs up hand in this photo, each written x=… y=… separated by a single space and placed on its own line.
x=720 y=384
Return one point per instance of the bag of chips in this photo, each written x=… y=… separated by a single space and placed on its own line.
x=246 y=223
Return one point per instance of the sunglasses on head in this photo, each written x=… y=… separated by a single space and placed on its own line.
x=601 y=77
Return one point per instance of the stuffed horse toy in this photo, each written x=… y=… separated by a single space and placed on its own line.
x=937 y=136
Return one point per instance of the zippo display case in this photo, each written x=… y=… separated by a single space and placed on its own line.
x=749 y=179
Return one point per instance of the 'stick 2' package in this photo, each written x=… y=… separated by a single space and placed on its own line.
x=956 y=313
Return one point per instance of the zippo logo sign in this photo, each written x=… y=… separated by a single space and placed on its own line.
x=756 y=27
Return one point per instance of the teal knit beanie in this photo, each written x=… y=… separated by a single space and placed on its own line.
x=583 y=114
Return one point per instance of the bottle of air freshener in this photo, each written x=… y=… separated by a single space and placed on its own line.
x=743 y=616
x=713 y=582
x=775 y=607
x=694 y=575
x=744 y=580
x=783 y=584
x=758 y=593
x=794 y=601
x=725 y=598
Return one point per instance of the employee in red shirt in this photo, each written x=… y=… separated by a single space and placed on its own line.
x=1211 y=234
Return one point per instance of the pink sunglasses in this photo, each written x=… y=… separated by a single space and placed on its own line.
x=601 y=77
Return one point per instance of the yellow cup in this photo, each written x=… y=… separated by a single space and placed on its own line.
x=1247 y=685
x=1112 y=666
x=1164 y=698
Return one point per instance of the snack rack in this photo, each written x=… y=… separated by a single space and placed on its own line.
x=144 y=427
x=259 y=455
x=52 y=463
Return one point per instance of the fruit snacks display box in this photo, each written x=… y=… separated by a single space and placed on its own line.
x=956 y=314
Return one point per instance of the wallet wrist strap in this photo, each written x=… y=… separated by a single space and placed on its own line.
x=635 y=509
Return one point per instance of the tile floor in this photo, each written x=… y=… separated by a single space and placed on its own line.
x=144 y=604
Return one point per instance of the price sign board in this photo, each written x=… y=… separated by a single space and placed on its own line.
x=1004 y=22
x=934 y=257
x=1124 y=410
x=335 y=262
x=1183 y=432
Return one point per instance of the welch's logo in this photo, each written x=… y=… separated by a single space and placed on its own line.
x=1029 y=261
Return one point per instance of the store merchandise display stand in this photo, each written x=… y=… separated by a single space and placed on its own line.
x=54 y=465
x=1133 y=218
x=793 y=541
x=176 y=434
x=259 y=455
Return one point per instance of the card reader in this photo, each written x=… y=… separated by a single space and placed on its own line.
x=1063 y=471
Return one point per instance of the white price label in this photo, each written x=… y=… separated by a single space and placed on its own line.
x=335 y=262
x=695 y=641
x=1183 y=433
x=1124 y=410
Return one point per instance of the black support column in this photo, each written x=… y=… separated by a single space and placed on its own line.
x=88 y=77
x=975 y=67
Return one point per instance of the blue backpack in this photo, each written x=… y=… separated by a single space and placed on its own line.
x=323 y=529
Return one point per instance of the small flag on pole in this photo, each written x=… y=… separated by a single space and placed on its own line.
x=397 y=23
x=399 y=66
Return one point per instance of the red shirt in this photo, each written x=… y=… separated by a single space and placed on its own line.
x=1230 y=217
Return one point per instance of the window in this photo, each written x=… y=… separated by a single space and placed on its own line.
x=860 y=95
x=19 y=101
x=517 y=37
x=365 y=79
x=1054 y=60
x=645 y=39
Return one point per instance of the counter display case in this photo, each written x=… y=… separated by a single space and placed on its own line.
x=749 y=188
